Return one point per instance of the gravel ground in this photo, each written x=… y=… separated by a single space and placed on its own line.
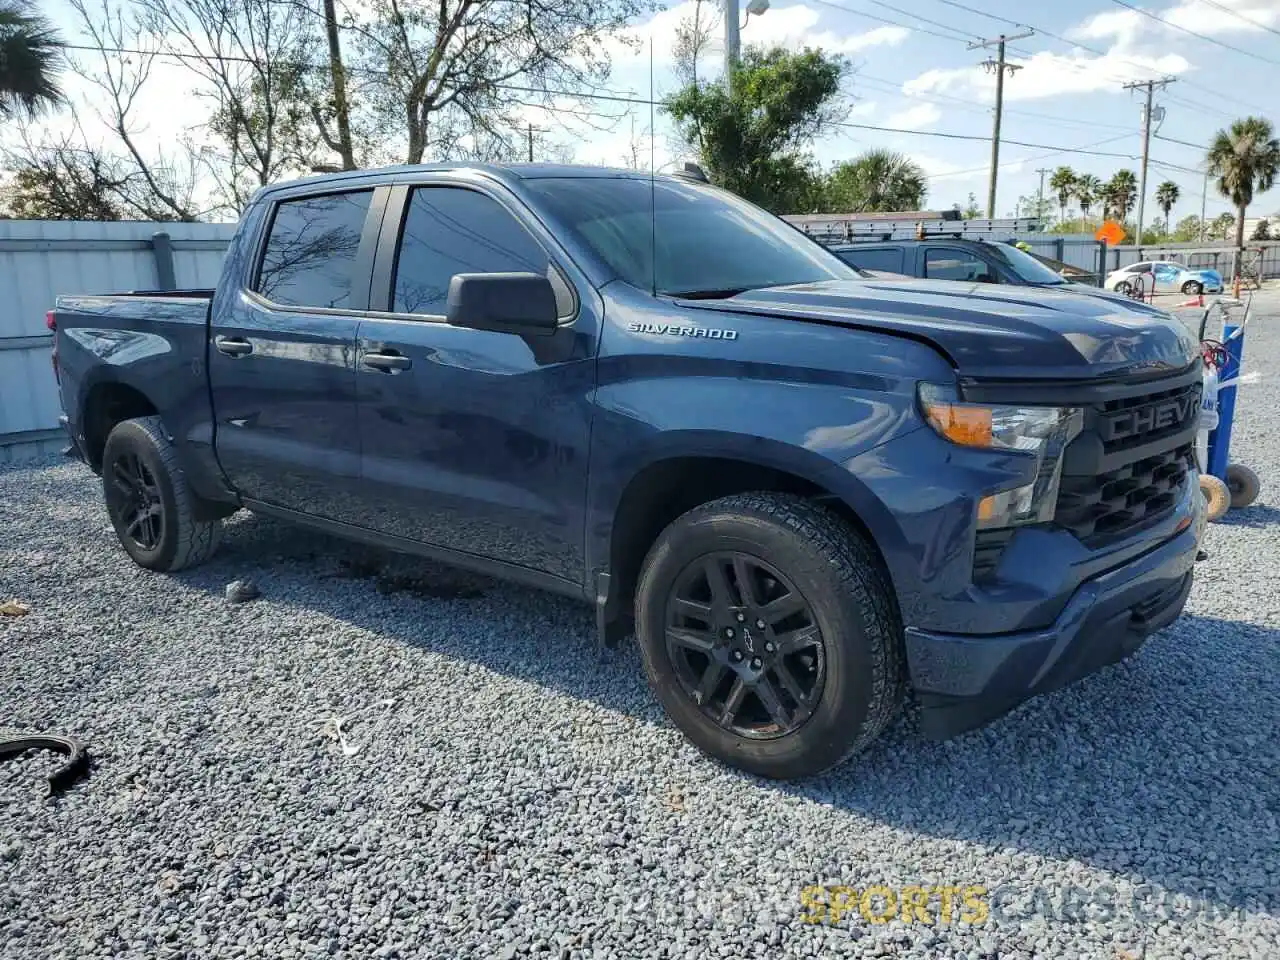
x=508 y=793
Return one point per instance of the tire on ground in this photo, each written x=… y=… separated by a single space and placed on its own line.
x=852 y=603
x=1217 y=496
x=1243 y=484
x=185 y=541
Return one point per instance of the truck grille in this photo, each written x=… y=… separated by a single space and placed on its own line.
x=1137 y=421
x=1112 y=504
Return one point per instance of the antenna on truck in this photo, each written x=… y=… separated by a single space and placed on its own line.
x=653 y=185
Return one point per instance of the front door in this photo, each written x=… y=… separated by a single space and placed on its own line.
x=282 y=362
x=473 y=440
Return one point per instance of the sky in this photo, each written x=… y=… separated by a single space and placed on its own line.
x=916 y=87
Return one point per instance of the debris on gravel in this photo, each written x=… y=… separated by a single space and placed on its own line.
x=519 y=797
x=242 y=591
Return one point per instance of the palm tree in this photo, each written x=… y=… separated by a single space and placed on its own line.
x=1121 y=191
x=29 y=51
x=1167 y=195
x=1088 y=188
x=1244 y=158
x=1062 y=182
x=878 y=180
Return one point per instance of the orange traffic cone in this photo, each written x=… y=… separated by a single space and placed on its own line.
x=1198 y=301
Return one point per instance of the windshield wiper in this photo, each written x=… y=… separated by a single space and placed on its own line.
x=720 y=293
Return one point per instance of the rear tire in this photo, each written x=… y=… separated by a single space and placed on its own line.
x=1193 y=288
x=823 y=676
x=151 y=505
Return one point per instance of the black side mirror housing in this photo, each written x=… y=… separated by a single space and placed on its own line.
x=519 y=303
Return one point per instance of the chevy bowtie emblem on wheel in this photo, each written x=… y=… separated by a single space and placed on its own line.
x=675 y=330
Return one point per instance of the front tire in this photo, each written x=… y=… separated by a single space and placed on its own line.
x=151 y=505
x=770 y=634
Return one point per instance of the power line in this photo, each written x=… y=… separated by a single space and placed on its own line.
x=1084 y=148
x=1240 y=16
x=916 y=16
x=958 y=37
x=983 y=13
x=1184 y=143
x=1192 y=33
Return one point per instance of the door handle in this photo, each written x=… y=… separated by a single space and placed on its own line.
x=233 y=346
x=386 y=362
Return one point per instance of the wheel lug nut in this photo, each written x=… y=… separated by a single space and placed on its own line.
x=737 y=656
x=729 y=632
x=759 y=624
x=755 y=663
x=769 y=647
x=742 y=617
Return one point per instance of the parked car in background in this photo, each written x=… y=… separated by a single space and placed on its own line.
x=969 y=261
x=1164 y=276
x=803 y=490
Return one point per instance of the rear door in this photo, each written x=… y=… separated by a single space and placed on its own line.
x=882 y=259
x=282 y=362
x=473 y=440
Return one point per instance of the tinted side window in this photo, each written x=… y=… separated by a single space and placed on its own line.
x=943 y=263
x=448 y=230
x=312 y=248
x=888 y=259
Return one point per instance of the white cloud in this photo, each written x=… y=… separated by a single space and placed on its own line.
x=1128 y=27
x=1048 y=74
x=916 y=117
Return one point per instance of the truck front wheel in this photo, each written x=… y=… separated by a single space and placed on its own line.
x=770 y=634
x=152 y=508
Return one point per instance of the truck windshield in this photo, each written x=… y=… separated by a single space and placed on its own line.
x=1026 y=266
x=709 y=243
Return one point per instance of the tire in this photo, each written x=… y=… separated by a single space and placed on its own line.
x=1216 y=495
x=851 y=677
x=140 y=466
x=1125 y=287
x=1243 y=484
x=1193 y=288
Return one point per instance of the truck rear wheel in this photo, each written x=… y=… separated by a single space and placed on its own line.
x=151 y=506
x=770 y=634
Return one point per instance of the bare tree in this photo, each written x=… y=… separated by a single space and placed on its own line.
x=253 y=59
x=452 y=74
x=694 y=36
x=160 y=186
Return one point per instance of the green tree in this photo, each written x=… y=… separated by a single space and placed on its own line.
x=1220 y=226
x=1187 y=230
x=1262 y=231
x=1062 y=182
x=754 y=141
x=1245 y=158
x=29 y=57
x=1087 y=190
x=1121 y=193
x=1167 y=195
x=878 y=180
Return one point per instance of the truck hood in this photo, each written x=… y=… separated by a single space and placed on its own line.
x=989 y=330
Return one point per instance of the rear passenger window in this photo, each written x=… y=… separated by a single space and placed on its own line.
x=449 y=230
x=888 y=259
x=311 y=250
x=950 y=264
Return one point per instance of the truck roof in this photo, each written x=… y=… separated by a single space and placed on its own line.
x=500 y=171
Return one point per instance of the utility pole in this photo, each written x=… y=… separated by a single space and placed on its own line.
x=1150 y=86
x=1040 y=195
x=731 y=42
x=531 y=143
x=999 y=67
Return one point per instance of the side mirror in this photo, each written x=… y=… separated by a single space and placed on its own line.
x=502 y=302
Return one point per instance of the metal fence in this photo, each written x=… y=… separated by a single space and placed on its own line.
x=1261 y=258
x=40 y=260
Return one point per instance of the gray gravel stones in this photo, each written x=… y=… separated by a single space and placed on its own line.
x=522 y=798
x=242 y=591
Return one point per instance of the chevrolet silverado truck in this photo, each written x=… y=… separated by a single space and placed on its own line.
x=805 y=492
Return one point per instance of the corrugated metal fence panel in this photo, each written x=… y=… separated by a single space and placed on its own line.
x=1202 y=256
x=41 y=260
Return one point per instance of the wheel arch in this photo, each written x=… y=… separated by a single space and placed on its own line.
x=106 y=403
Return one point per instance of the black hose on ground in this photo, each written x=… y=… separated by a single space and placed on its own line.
x=77 y=754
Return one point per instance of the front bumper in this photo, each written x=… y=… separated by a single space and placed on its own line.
x=965 y=681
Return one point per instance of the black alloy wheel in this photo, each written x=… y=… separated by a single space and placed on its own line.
x=134 y=501
x=745 y=645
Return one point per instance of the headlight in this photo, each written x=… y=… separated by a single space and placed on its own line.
x=1039 y=432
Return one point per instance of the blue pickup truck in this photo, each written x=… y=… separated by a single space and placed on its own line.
x=805 y=492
